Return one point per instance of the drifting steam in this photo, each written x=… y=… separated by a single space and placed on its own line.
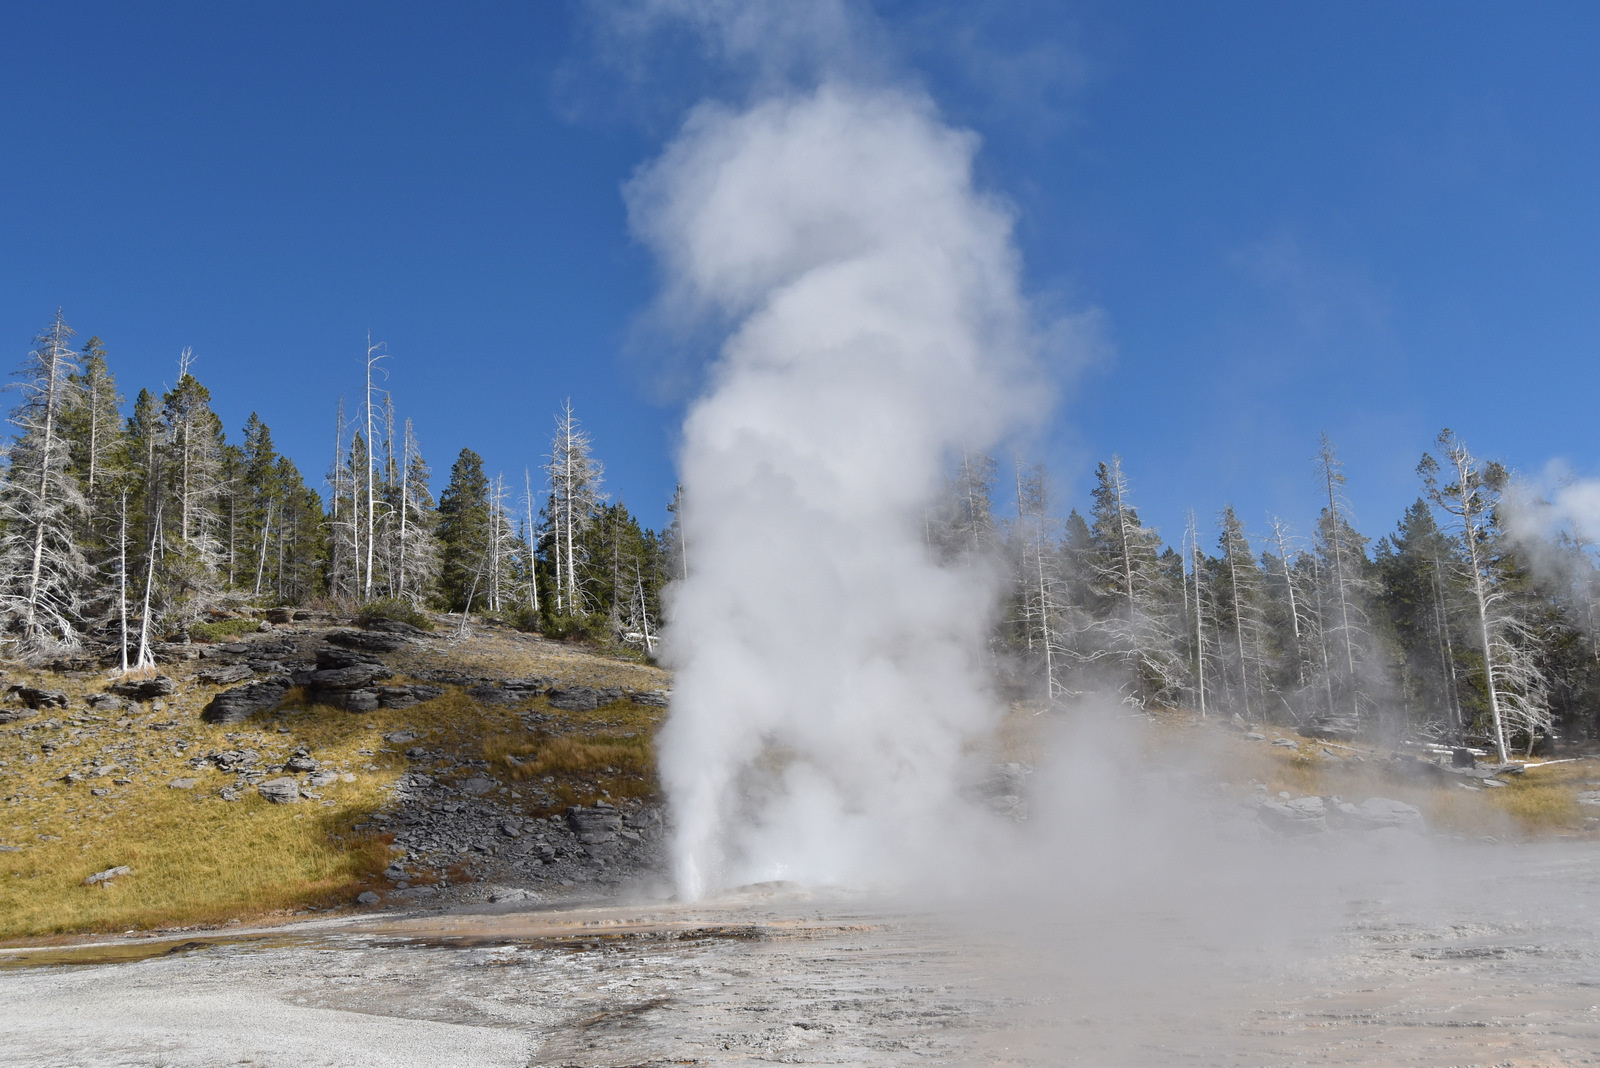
x=829 y=675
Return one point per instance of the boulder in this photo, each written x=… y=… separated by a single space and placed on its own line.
x=318 y=779
x=280 y=615
x=183 y=784
x=235 y=759
x=593 y=825
x=242 y=702
x=653 y=698
x=34 y=697
x=105 y=702
x=582 y=698
x=367 y=641
x=1384 y=812
x=366 y=897
x=224 y=675
x=281 y=791
x=354 y=677
x=144 y=689
x=478 y=785
x=497 y=695
x=351 y=701
x=1303 y=815
x=300 y=760
x=406 y=696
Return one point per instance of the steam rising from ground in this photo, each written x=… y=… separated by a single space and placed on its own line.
x=829 y=675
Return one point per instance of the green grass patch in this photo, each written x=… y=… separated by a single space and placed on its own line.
x=223 y=629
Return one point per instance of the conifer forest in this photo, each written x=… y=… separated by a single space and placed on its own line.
x=120 y=532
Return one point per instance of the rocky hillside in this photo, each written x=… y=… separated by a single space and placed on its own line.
x=317 y=764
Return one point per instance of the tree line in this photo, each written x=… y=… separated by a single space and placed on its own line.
x=119 y=532
x=1448 y=627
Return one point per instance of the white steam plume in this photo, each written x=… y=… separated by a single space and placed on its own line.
x=830 y=676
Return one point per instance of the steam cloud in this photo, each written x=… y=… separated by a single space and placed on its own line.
x=829 y=674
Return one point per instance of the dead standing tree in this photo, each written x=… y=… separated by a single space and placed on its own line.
x=573 y=501
x=1513 y=684
x=41 y=506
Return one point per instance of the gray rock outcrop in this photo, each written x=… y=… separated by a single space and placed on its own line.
x=242 y=702
x=35 y=698
x=1302 y=815
x=281 y=791
x=144 y=689
x=224 y=675
x=1383 y=812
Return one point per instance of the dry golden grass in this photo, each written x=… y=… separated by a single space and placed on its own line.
x=1540 y=801
x=499 y=651
x=578 y=769
x=197 y=859
x=1543 y=800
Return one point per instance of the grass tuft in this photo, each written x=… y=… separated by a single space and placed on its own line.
x=223 y=629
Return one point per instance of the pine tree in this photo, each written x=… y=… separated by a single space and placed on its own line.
x=464 y=534
x=91 y=422
x=1351 y=674
x=1038 y=577
x=1133 y=609
x=417 y=552
x=299 y=537
x=194 y=548
x=1419 y=579
x=1237 y=586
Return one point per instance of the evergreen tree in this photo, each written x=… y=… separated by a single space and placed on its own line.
x=1132 y=604
x=465 y=533
x=1237 y=585
x=91 y=423
x=193 y=552
x=298 y=537
x=417 y=553
x=1419 y=579
x=1352 y=675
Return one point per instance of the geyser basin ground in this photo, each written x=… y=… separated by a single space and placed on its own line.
x=1495 y=961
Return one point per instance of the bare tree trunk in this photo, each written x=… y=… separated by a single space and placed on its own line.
x=1238 y=622
x=1447 y=655
x=572 y=568
x=146 y=659
x=261 y=564
x=1294 y=607
x=1199 y=619
x=1329 y=471
x=372 y=500
x=644 y=611
x=122 y=579
x=533 y=563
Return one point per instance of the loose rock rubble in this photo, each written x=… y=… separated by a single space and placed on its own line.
x=442 y=826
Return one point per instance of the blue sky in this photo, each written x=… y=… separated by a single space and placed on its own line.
x=1370 y=219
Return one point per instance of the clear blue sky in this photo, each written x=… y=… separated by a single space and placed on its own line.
x=1370 y=219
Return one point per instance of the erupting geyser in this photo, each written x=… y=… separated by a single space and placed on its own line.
x=830 y=674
